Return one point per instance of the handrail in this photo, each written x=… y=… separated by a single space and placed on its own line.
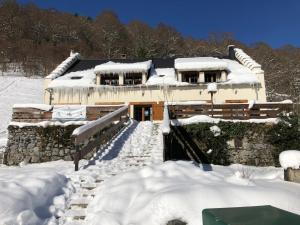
x=90 y=129
x=85 y=132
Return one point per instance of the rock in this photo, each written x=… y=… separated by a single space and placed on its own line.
x=61 y=153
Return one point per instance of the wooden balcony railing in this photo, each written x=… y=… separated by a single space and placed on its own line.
x=240 y=111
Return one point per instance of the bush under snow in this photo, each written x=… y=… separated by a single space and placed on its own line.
x=290 y=159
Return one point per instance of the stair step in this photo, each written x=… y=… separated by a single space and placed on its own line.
x=76 y=214
x=88 y=186
x=81 y=202
x=85 y=193
x=73 y=222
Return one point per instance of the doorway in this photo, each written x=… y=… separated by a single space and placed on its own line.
x=143 y=112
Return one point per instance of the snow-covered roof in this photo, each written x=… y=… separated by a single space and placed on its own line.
x=239 y=74
x=75 y=79
x=163 y=76
x=114 y=67
x=246 y=60
x=64 y=66
x=199 y=64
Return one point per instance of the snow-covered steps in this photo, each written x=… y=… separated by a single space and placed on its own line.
x=75 y=214
x=80 y=202
x=136 y=146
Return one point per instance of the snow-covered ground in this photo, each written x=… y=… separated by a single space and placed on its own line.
x=15 y=90
x=138 y=188
x=180 y=190
x=33 y=194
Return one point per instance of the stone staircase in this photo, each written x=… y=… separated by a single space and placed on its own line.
x=136 y=146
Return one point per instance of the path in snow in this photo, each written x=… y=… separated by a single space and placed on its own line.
x=136 y=146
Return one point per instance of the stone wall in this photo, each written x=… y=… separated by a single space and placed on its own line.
x=35 y=144
x=242 y=143
x=255 y=152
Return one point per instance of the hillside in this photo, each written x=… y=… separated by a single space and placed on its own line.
x=39 y=39
x=15 y=90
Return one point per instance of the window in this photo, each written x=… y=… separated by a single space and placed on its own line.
x=110 y=79
x=210 y=77
x=132 y=79
x=190 y=77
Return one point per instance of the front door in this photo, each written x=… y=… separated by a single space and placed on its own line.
x=142 y=112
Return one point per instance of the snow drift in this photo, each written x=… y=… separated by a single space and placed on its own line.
x=180 y=190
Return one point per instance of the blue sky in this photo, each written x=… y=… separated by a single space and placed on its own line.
x=276 y=22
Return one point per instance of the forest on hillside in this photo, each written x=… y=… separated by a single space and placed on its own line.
x=38 y=39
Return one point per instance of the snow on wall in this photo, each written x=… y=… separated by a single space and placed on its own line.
x=43 y=107
x=290 y=159
x=113 y=67
x=60 y=69
x=208 y=119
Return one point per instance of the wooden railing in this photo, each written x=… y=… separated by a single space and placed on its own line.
x=34 y=115
x=240 y=111
x=90 y=136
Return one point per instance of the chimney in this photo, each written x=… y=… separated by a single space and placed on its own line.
x=231 y=53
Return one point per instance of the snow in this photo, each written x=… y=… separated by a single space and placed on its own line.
x=63 y=67
x=29 y=194
x=87 y=79
x=48 y=124
x=246 y=60
x=113 y=67
x=16 y=89
x=164 y=76
x=215 y=130
x=208 y=119
x=290 y=159
x=159 y=193
x=187 y=103
x=43 y=107
x=199 y=64
x=287 y=101
x=212 y=87
x=251 y=104
x=166 y=121
x=237 y=73
x=69 y=112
